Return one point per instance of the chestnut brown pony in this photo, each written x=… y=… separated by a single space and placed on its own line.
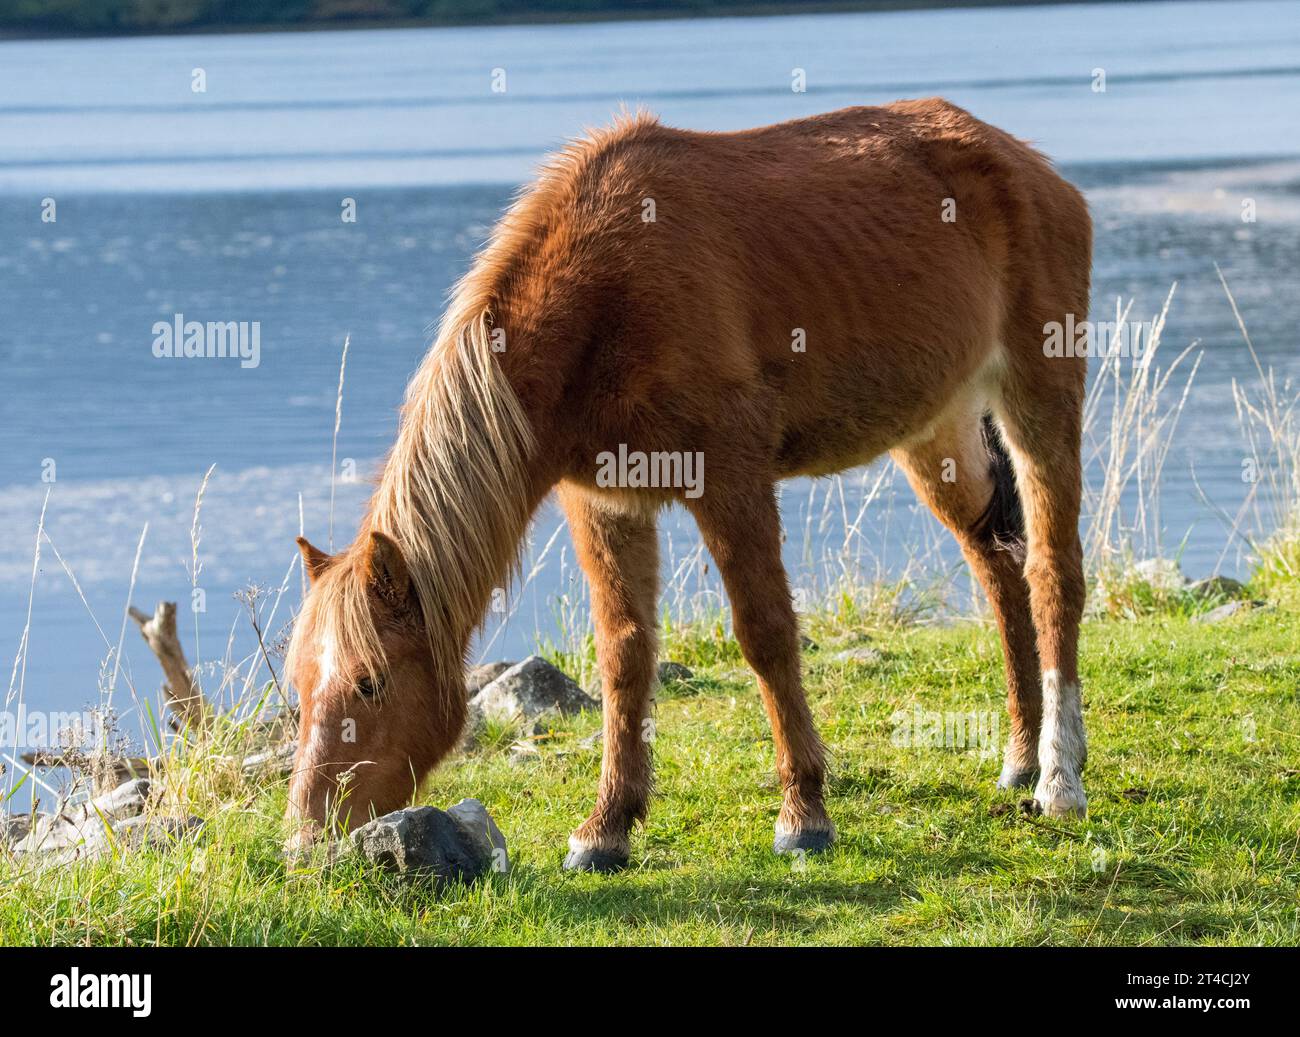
x=791 y=300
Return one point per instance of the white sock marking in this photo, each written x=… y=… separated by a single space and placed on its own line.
x=1062 y=748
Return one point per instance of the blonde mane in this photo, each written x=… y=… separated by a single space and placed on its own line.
x=450 y=494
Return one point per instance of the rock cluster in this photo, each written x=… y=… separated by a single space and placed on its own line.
x=1166 y=575
x=115 y=820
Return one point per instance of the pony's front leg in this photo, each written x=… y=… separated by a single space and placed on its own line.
x=741 y=527
x=620 y=555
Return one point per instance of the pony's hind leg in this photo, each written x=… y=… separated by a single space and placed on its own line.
x=742 y=529
x=620 y=555
x=1042 y=416
x=964 y=476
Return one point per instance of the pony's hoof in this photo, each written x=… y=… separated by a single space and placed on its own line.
x=804 y=842
x=1061 y=798
x=591 y=858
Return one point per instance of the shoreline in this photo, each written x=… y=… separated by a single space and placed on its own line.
x=749 y=10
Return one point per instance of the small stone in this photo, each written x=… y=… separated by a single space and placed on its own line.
x=530 y=690
x=433 y=844
x=592 y=741
x=1217 y=587
x=670 y=671
x=1225 y=611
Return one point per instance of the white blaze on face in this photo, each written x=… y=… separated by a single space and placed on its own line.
x=313 y=748
x=325 y=663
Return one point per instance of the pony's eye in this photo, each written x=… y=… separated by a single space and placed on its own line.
x=368 y=688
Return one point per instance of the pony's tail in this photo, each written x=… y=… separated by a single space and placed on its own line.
x=1002 y=525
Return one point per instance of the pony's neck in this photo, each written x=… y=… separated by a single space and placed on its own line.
x=459 y=487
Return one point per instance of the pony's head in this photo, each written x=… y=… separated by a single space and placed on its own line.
x=378 y=709
x=378 y=650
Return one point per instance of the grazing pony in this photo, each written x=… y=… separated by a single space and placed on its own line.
x=791 y=300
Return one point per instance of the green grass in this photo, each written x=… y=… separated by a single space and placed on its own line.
x=1193 y=835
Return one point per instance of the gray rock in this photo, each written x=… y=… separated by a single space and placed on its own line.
x=1225 y=611
x=1217 y=587
x=432 y=844
x=479 y=677
x=670 y=671
x=530 y=690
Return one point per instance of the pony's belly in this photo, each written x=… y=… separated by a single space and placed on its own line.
x=826 y=449
x=863 y=429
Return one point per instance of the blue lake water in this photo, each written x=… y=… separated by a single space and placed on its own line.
x=225 y=205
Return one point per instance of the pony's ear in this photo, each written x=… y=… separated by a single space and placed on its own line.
x=386 y=569
x=314 y=560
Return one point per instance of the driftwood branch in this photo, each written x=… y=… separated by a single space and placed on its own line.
x=179 y=689
x=110 y=773
x=106 y=773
